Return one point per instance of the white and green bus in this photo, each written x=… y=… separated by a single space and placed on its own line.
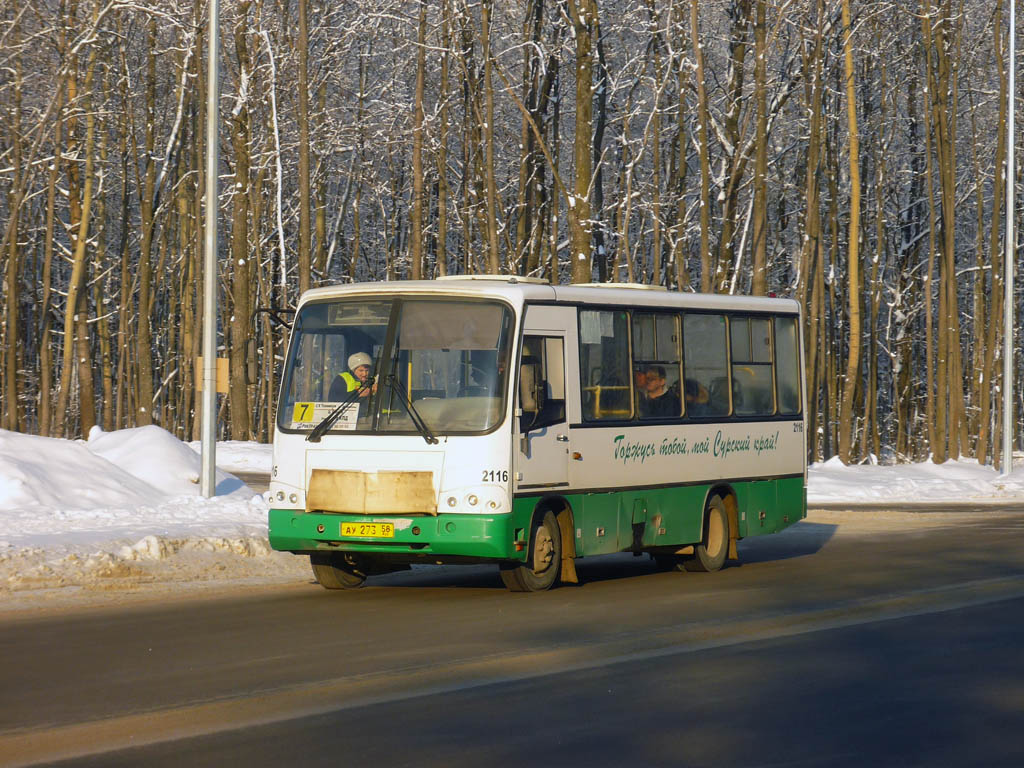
x=506 y=420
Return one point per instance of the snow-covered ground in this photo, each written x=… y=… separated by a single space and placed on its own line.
x=122 y=511
x=954 y=482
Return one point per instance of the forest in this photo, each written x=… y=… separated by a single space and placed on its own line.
x=847 y=154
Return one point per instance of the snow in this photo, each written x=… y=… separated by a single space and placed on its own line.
x=122 y=510
x=963 y=481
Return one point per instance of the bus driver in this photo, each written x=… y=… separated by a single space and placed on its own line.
x=351 y=380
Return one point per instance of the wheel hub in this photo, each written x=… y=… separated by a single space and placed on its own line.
x=543 y=551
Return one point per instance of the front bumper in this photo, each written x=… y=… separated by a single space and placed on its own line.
x=481 y=537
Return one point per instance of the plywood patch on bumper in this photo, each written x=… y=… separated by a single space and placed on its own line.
x=379 y=493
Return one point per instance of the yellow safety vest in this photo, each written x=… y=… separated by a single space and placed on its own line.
x=351 y=382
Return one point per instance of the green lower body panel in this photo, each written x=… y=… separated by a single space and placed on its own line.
x=456 y=536
x=769 y=506
x=627 y=520
x=636 y=519
x=633 y=519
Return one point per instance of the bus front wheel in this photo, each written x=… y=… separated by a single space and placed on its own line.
x=332 y=572
x=540 y=571
x=710 y=554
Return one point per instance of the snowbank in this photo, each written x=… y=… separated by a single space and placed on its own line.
x=955 y=482
x=124 y=508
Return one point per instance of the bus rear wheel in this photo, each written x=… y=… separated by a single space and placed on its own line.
x=710 y=554
x=543 y=560
x=333 y=572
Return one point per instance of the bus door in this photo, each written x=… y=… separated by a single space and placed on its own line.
x=542 y=428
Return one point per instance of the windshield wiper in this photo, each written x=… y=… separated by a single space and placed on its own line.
x=403 y=395
x=321 y=429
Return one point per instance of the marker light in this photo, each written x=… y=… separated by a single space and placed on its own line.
x=452 y=501
x=472 y=500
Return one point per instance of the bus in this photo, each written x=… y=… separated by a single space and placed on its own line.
x=505 y=420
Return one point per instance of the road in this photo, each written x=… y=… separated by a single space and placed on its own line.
x=258 y=481
x=841 y=641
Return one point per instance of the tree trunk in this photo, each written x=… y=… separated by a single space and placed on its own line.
x=241 y=428
x=416 y=236
x=936 y=369
x=846 y=414
x=12 y=354
x=46 y=333
x=995 y=313
x=491 y=185
x=80 y=213
x=305 y=238
x=583 y=14
x=147 y=204
x=703 y=118
x=810 y=271
x=759 y=281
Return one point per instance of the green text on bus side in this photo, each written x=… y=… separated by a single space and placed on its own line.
x=628 y=452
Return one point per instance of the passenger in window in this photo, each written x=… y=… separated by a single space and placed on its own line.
x=696 y=398
x=640 y=384
x=660 y=402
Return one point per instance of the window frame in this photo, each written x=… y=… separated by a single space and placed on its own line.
x=748 y=319
x=680 y=313
x=396 y=300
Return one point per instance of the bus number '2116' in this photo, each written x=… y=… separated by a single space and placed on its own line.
x=495 y=476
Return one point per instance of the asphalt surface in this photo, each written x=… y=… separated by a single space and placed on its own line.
x=258 y=481
x=830 y=644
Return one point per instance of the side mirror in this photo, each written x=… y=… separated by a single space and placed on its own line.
x=532 y=394
x=252 y=370
x=531 y=391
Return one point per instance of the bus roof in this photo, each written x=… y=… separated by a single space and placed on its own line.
x=521 y=290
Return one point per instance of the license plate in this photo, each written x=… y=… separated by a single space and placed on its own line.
x=369 y=530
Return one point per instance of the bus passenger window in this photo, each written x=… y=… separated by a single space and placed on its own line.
x=752 y=391
x=656 y=365
x=606 y=385
x=787 y=365
x=705 y=365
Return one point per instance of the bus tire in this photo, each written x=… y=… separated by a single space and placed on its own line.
x=710 y=554
x=332 y=572
x=543 y=560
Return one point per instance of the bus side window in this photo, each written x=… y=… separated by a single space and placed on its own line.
x=705 y=364
x=787 y=365
x=656 y=365
x=752 y=391
x=606 y=385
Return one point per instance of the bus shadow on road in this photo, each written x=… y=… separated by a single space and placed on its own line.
x=799 y=540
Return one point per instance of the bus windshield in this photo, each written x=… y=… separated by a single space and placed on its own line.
x=447 y=359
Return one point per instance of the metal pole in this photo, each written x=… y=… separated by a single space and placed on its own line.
x=209 y=422
x=1010 y=253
